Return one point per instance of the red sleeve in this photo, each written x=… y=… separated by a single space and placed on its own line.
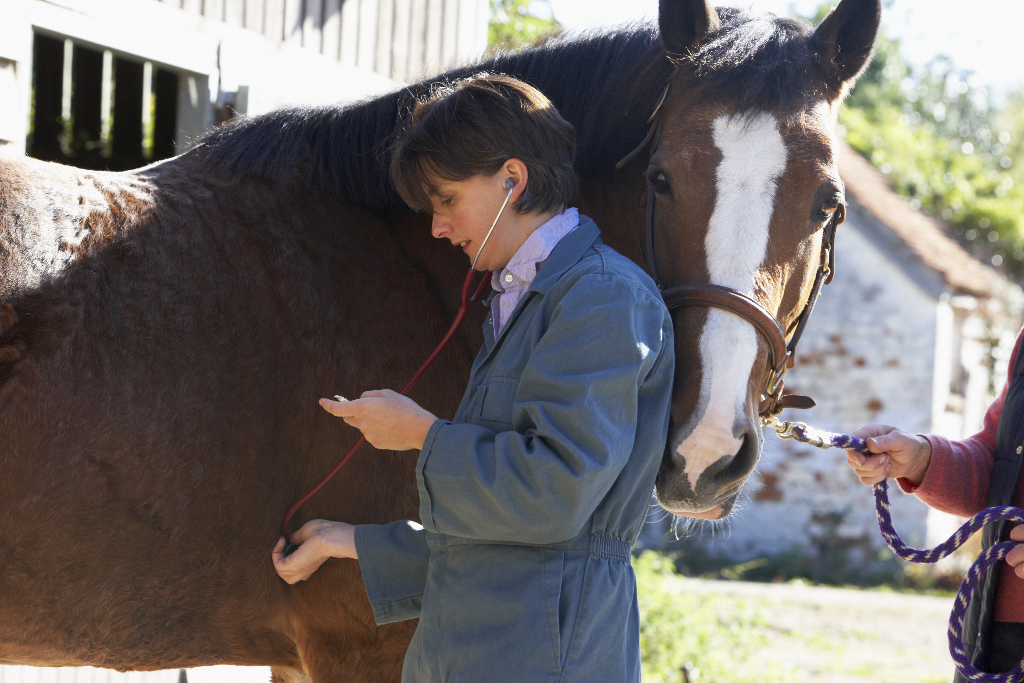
x=957 y=479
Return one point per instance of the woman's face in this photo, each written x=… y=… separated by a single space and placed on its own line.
x=464 y=211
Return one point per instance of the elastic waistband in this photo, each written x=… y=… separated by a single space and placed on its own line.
x=609 y=548
x=597 y=545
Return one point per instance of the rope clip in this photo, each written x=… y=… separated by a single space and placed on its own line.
x=785 y=431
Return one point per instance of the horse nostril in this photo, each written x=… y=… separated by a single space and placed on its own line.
x=743 y=461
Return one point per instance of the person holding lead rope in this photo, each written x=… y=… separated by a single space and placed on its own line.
x=963 y=478
x=530 y=498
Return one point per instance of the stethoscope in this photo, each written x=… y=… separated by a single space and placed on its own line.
x=509 y=185
x=467 y=299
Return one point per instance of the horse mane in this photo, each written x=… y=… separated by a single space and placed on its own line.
x=605 y=83
x=761 y=59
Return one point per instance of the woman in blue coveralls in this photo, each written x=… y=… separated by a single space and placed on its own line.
x=530 y=498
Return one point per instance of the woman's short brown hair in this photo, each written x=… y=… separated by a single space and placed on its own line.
x=474 y=126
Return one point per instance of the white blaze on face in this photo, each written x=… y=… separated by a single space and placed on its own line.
x=753 y=157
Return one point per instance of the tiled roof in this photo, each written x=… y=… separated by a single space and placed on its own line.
x=925 y=236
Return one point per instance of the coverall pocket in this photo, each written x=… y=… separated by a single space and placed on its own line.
x=498 y=399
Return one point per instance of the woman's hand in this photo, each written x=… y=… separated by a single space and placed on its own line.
x=898 y=454
x=318 y=540
x=1015 y=557
x=388 y=420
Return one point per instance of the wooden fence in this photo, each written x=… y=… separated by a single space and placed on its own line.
x=99 y=111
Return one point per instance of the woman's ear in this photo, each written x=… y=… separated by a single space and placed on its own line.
x=515 y=170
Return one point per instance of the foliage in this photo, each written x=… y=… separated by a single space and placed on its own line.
x=715 y=636
x=515 y=23
x=947 y=148
x=824 y=563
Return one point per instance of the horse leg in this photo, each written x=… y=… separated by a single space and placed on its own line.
x=373 y=657
x=286 y=675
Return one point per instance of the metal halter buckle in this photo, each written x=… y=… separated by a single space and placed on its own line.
x=775 y=381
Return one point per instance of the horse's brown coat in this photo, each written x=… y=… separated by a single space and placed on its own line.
x=164 y=415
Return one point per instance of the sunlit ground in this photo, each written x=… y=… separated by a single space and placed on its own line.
x=742 y=632
x=206 y=674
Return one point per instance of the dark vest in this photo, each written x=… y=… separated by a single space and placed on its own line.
x=1005 y=474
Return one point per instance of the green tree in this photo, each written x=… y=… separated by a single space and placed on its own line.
x=947 y=148
x=515 y=23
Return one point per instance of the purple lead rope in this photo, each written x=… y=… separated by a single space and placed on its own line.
x=997 y=552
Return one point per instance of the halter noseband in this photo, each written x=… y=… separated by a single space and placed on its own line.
x=780 y=353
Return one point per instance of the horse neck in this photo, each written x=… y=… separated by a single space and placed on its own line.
x=606 y=86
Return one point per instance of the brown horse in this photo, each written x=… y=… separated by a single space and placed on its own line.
x=165 y=334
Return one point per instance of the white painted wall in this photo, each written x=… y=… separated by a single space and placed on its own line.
x=218 y=59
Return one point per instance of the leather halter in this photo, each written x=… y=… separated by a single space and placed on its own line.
x=781 y=353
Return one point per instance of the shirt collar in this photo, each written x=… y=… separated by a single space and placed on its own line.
x=536 y=249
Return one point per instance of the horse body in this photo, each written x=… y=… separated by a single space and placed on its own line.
x=162 y=416
x=165 y=333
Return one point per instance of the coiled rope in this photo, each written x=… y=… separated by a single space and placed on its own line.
x=823 y=439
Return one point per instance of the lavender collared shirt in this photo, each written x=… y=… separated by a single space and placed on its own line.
x=514 y=279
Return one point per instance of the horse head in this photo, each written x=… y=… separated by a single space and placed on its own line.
x=743 y=195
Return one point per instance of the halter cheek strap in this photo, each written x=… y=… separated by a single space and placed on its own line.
x=781 y=353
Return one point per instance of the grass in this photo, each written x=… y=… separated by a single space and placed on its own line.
x=791 y=633
x=715 y=637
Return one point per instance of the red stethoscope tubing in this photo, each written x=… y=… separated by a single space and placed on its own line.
x=467 y=299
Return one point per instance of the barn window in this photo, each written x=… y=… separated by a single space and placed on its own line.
x=94 y=109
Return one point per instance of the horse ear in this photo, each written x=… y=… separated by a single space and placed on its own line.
x=685 y=23
x=846 y=39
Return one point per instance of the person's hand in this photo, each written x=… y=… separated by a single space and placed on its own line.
x=1015 y=558
x=318 y=541
x=898 y=454
x=388 y=420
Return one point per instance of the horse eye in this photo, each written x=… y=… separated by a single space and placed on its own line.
x=659 y=182
x=828 y=208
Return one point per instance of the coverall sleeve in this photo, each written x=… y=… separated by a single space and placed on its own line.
x=574 y=418
x=393 y=559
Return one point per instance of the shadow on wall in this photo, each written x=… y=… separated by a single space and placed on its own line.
x=825 y=559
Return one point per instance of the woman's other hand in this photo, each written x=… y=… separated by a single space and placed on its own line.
x=1015 y=558
x=318 y=541
x=897 y=454
x=388 y=420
